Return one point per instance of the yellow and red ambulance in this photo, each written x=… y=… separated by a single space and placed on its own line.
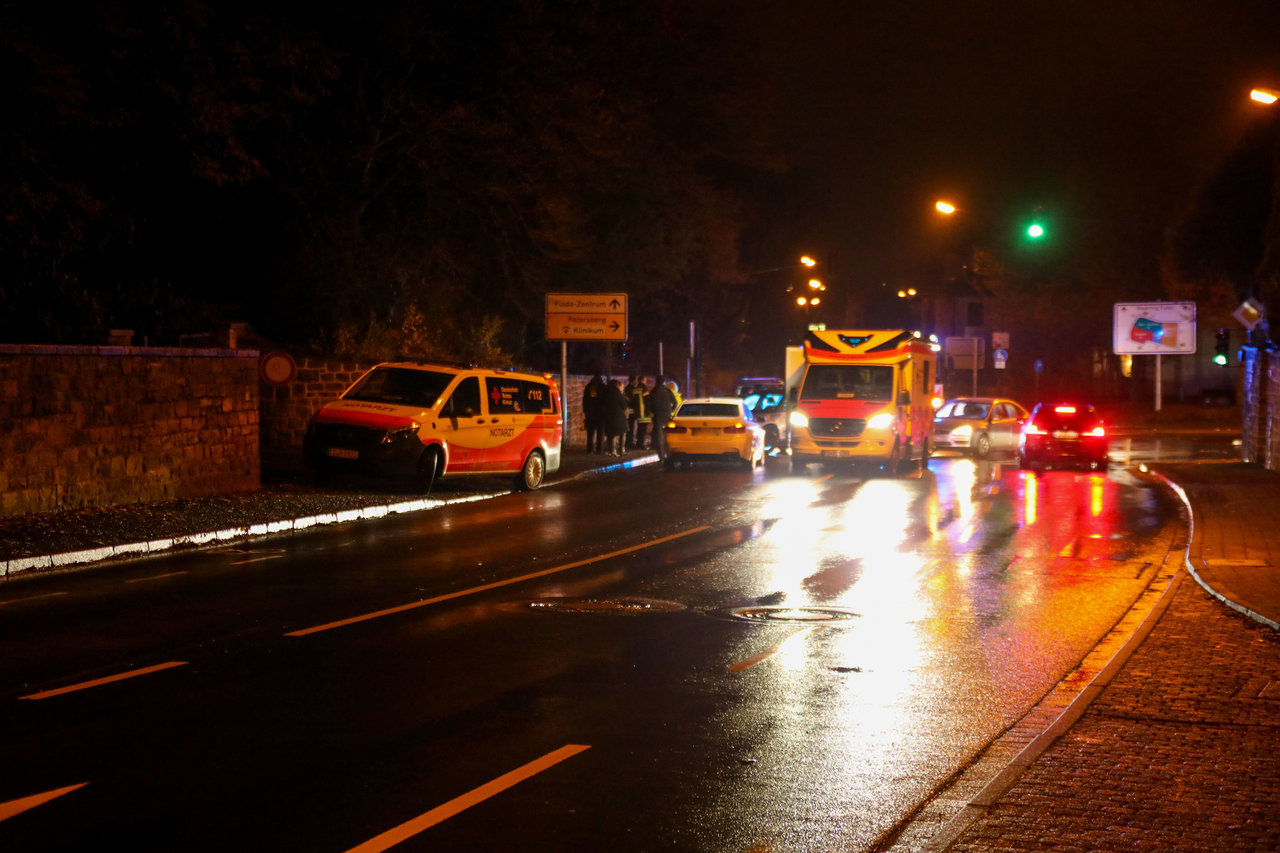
x=860 y=395
x=428 y=422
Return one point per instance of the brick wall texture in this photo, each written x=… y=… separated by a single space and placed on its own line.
x=97 y=426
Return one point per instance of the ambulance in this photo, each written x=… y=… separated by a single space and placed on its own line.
x=860 y=396
x=427 y=422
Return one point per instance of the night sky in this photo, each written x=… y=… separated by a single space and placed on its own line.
x=1108 y=110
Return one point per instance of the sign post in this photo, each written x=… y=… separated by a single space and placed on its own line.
x=586 y=316
x=583 y=317
x=1154 y=328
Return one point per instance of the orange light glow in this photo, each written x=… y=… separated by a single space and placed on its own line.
x=1264 y=96
x=945 y=207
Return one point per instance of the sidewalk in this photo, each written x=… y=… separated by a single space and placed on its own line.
x=289 y=499
x=1172 y=743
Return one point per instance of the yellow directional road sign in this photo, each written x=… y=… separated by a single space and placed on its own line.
x=586 y=316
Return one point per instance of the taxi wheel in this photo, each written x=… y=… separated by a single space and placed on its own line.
x=428 y=471
x=532 y=472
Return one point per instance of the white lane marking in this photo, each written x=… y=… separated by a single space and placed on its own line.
x=22 y=804
x=120 y=676
x=441 y=813
x=341 y=623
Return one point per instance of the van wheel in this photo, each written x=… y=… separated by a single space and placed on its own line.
x=428 y=472
x=532 y=472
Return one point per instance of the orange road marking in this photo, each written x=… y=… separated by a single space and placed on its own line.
x=763 y=656
x=133 y=673
x=13 y=807
x=157 y=577
x=441 y=813
x=341 y=623
x=33 y=598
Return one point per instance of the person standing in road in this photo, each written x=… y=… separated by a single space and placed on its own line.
x=645 y=416
x=662 y=403
x=635 y=407
x=593 y=412
x=615 y=418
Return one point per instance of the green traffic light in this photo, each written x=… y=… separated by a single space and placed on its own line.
x=1035 y=231
x=1220 y=360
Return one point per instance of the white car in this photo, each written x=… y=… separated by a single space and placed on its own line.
x=978 y=426
x=713 y=428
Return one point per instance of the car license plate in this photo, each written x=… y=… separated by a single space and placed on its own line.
x=839 y=454
x=1065 y=433
x=344 y=453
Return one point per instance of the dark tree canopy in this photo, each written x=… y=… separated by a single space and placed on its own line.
x=371 y=178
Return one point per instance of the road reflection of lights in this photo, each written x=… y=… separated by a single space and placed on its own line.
x=876 y=519
x=798 y=535
x=1096 y=505
x=965 y=476
x=1030 y=497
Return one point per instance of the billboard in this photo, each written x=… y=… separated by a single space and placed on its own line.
x=1154 y=328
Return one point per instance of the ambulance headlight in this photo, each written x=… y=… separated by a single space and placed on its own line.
x=392 y=436
x=798 y=419
x=881 y=421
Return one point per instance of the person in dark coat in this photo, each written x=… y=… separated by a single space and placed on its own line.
x=615 y=418
x=593 y=413
x=662 y=403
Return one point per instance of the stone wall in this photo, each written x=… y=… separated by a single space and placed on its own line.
x=96 y=426
x=285 y=409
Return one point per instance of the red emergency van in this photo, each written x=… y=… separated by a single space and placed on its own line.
x=427 y=422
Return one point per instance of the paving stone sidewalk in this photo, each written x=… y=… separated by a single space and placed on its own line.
x=1181 y=752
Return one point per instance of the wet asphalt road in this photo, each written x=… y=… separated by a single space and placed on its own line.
x=704 y=660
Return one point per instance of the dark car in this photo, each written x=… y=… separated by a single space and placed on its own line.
x=1060 y=435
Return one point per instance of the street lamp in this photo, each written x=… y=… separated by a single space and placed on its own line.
x=1265 y=96
x=944 y=207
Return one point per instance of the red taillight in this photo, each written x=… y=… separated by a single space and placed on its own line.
x=736 y=428
x=674 y=428
x=1032 y=429
x=1066 y=410
x=1098 y=431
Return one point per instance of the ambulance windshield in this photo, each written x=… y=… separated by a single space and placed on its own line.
x=400 y=386
x=848 y=382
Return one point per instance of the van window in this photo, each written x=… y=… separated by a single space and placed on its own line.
x=505 y=397
x=537 y=397
x=848 y=382
x=465 y=401
x=400 y=386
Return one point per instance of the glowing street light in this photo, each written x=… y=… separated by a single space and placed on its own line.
x=808 y=261
x=945 y=207
x=1265 y=96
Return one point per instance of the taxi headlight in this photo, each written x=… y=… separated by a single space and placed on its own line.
x=880 y=421
x=798 y=419
x=392 y=436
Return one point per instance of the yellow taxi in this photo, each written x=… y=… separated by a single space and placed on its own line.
x=713 y=428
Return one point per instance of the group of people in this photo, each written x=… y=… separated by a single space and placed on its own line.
x=618 y=418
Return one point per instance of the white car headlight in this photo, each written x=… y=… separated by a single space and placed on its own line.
x=962 y=431
x=799 y=419
x=881 y=421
